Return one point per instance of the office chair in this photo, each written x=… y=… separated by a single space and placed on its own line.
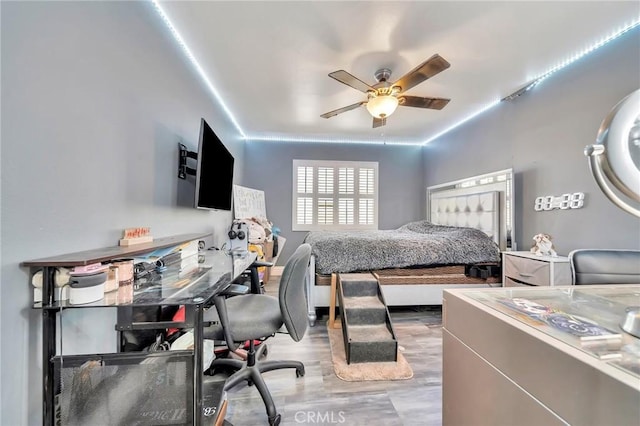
x=259 y=316
x=605 y=266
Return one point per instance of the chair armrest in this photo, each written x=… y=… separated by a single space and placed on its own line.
x=259 y=263
x=235 y=290
x=255 y=277
x=223 y=315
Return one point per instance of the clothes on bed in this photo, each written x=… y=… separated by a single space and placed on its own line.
x=418 y=243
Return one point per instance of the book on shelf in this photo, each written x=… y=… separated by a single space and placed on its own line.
x=176 y=262
x=168 y=254
x=188 y=249
x=168 y=259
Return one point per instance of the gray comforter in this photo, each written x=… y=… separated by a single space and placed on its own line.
x=414 y=244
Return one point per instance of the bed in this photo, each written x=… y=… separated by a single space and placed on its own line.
x=468 y=223
x=415 y=244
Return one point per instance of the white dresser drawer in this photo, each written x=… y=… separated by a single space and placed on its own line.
x=520 y=267
x=508 y=282
x=530 y=271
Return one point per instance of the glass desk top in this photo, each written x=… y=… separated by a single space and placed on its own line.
x=586 y=317
x=213 y=275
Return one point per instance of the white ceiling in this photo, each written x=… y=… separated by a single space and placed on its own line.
x=268 y=60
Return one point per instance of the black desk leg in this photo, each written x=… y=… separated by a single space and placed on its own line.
x=197 y=364
x=48 y=352
x=48 y=347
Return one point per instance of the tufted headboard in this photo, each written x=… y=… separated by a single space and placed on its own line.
x=484 y=202
x=480 y=211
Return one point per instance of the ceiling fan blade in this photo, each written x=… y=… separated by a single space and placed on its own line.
x=345 y=78
x=379 y=122
x=427 y=69
x=341 y=110
x=418 y=102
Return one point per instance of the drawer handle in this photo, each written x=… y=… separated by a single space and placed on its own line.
x=522 y=274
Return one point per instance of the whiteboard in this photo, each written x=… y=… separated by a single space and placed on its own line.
x=248 y=203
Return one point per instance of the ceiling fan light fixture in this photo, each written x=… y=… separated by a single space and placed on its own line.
x=382 y=106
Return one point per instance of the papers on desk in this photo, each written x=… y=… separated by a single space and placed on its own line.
x=585 y=330
x=181 y=259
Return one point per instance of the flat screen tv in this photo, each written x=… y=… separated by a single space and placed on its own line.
x=214 y=173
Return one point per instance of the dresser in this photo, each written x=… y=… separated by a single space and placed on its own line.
x=503 y=366
x=523 y=268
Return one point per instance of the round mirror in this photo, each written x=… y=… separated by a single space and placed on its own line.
x=615 y=158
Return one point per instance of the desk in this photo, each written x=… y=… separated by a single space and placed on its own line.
x=196 y=293
x=502 y=365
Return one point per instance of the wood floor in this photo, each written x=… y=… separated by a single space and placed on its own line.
x=321 y=398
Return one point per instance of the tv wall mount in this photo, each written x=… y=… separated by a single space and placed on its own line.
x=183 y=169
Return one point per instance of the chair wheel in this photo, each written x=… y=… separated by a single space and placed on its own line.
x=265 y=351
x=300 y=372
x=275 y=421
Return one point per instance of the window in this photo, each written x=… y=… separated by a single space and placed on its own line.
x=334 y=195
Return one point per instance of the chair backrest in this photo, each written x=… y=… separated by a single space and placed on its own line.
x=293 y=301
x=602 y=266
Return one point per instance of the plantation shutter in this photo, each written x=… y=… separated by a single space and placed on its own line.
x=334 y=195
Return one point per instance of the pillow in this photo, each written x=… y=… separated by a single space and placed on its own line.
x=421 y=226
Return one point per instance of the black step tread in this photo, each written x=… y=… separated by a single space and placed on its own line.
x=370 y=333
x=358 y=277
x=369 y=302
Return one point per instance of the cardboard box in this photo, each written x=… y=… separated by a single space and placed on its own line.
x=267 y=251
x=267 y=248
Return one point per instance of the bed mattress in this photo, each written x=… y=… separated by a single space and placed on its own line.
x=414 y=244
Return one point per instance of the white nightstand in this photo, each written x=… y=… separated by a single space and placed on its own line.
x=523 y=268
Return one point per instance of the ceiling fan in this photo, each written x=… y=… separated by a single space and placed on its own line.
x=384 y=97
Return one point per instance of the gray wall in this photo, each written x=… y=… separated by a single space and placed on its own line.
x=542 y=135
x=270 y=168
x=95 y=97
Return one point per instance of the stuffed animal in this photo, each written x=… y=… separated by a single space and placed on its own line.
x=257 y=233
x=542 y=246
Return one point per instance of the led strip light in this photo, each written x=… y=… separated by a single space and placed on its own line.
x=534 y=82
x=540 y=78
x=605 y=40
x=464 y=120
x=309 y=139
x=197 y=66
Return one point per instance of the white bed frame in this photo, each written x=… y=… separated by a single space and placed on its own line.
x=484 y=202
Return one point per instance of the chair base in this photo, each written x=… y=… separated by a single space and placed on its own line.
x=251 y=370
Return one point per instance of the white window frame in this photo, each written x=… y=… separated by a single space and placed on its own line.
x=315 y=195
